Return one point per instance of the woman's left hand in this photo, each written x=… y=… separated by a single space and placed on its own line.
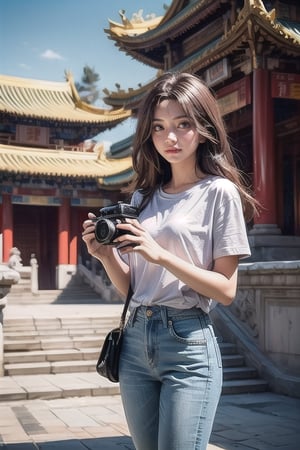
x=138 y=240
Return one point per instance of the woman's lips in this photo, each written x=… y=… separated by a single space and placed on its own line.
x=173 y=150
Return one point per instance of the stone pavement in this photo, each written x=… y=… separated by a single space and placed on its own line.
x=257 y=421
x=263 y=421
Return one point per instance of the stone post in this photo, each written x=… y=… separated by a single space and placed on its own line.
x=8 y=277
x=34 y=274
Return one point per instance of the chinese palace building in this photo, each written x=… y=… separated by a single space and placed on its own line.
x=248 y=52
x=51 y=176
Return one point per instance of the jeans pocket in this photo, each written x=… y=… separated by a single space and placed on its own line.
x=187 y=330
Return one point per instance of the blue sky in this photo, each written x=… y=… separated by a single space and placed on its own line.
x=40 y=39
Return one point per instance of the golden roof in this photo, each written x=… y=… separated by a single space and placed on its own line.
x=149 y=46
x=133 y=27
x=252 y=23
x=61 y=163
x=56 y=101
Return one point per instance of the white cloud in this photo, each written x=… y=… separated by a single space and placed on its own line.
x=50 y=54
x=25 y=66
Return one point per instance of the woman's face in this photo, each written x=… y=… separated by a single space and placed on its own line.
x=174 y=134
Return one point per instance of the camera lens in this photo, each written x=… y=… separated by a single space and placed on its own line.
x=104 y=231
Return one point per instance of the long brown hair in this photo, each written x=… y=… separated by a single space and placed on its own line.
x=214 y=156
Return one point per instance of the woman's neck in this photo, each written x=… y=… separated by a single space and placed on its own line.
x=181 y=182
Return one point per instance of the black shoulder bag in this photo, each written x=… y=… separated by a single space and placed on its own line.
x=108 y=363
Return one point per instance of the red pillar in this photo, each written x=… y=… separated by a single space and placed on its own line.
x=7 y=226
x=63 y=232
x=263 y=148
x=73 y=237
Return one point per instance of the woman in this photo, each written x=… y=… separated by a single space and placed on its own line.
x=180 y=257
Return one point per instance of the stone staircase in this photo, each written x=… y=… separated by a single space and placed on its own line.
x=70 y=345
x=76 y=292
x=53 y=354
x=52 y=346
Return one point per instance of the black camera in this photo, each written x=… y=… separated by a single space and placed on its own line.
x=105 y=226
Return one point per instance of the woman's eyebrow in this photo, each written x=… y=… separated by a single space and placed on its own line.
x=173 y=118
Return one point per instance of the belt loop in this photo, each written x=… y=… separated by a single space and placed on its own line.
x=164 y=315
x=131 y=317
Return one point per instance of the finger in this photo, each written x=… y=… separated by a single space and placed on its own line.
x=86 y=223
x=134 y=222
x=133 y=226
x=126 y=246
x=127 y=239
x=89 y=223
x=88 y=229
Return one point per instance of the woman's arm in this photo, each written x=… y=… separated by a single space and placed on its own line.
x=219 y=283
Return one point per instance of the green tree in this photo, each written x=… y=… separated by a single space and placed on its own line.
x=87 y=87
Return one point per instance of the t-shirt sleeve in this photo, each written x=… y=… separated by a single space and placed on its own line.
x=229 y=231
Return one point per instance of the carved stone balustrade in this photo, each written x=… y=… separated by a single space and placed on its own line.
x=268 y=305
x=263 y=322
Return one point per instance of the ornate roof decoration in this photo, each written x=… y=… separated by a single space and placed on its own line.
x=253 y=26
x=134 y=26
x=60 y=163
x=149 y=47
x=130 y=29
x=130 y=97
x=53 y=101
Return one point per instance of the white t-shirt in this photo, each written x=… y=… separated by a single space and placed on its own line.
x=198 y=225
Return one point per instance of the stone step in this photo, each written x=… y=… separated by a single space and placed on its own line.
x=73 y=354
x=56 y=322
x=79 y=340
x=62 y=342
x=37 y=356
x=81 y=293
x=86 y=365
x=49 y=367
x=27 y=387
x=244 y=386
x=35 y=335
x=241 y=373
x=233 y=360
x=66 y=348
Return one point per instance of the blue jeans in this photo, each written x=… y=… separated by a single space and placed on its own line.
x=170 y=378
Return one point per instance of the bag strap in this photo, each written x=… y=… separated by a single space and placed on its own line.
x=130 y=291
x=125 y=308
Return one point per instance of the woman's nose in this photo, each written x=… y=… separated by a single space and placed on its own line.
x=171 y=136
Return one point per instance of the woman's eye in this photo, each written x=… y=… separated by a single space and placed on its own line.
x=157 y=128
x=185 y=124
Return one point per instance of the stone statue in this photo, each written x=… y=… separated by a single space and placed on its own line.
x=14 y=261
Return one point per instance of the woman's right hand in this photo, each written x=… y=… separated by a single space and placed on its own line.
x=94 y=247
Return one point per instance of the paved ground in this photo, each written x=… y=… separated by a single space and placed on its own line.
x=263 y=421
x=244 y=422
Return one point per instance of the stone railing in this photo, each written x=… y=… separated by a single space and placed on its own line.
x=8 y=277
x=264 y=320
x=99 y=283
x=268 y=303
